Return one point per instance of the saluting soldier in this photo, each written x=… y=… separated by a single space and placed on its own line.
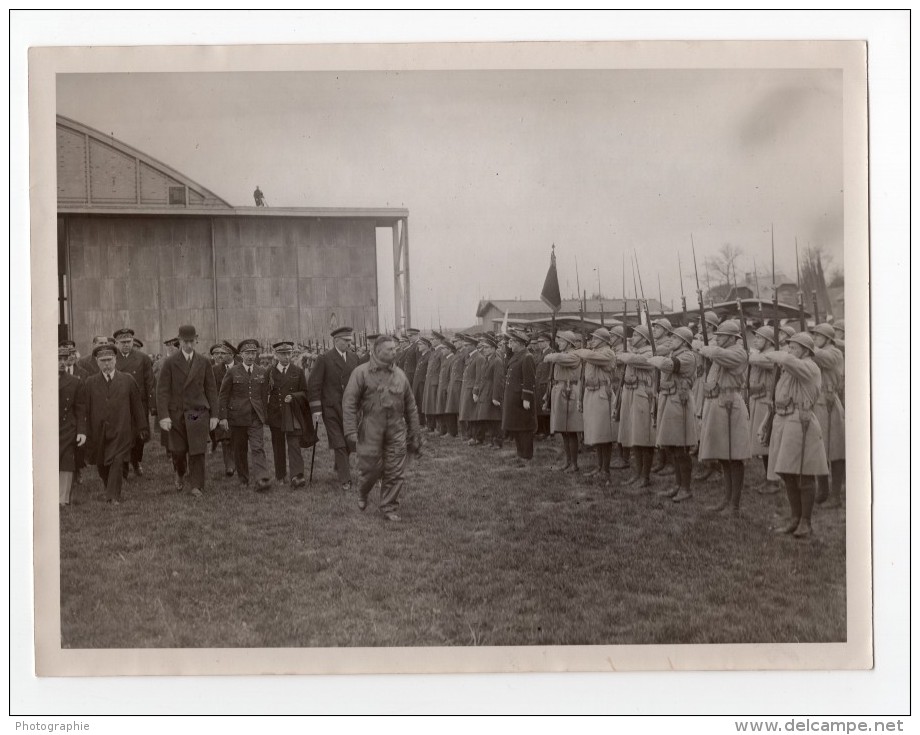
x=71 y=424
x=472 y=370
x=597 y=399
x=636 y=430
x=762 y=377
x=432 y=380
x=797 y=452
x=444 y=389
x=187 y=408
x=829 y=410
x=325 y=388
x=243 y=412
x=115 y=418
x=677 y=427
x=565 y=418
x=661 y=330
x=289 y=422
x=135 y=363
x=464 y=345
x=712 y=324
x=489 y=391
x=519 y=409
x=618 y=343
x=418 y=380
x=222 y=359
x=725 y=434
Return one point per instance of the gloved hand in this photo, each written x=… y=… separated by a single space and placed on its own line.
x=212 y=423
x=496 y=403
x=225 y=424
x=81 y=440
x=351 y=441
x=144 y=435
x=526 y=405
x=166 y=424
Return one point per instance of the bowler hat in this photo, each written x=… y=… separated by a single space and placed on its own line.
x=187 y=331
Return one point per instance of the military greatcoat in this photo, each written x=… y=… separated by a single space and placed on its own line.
x=472 y=371
x=520 y=386
x=457 y=369
x=828 y=407
x=677 y=426
x=71 y=419
x=760 y=398
x=726 y=430
x=598 y=396
x=490 y=388
x=638 y=397
x=564 y=415
x=325 y=388
x=114 y=417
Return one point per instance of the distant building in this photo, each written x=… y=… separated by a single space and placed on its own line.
x=491 y=312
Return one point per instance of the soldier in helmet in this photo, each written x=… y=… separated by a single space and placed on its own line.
x=797 y=452
x=661 y=331
x=762 y=376
x=597 y=399
x=636 y=430
x=677 y=427
x=565 y=418
x=699 y=397
x=725 y=433
x=829 y=410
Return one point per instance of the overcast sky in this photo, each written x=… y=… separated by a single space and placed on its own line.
x=494 y=167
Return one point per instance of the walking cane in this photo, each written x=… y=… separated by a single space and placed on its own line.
x=313 y=454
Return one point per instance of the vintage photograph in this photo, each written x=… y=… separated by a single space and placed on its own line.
x=465 y=357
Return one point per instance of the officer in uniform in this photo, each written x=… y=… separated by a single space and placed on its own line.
x=411 y=355
x=380 y=421
x=87 y=363
x=564 y=415
x=597 y=400
x=115 y=418
x=418 y=380
x=444 y=423
x=463 y=346
x=829 y=410
x=242 y=400
x=519 y=409
x=541 y=350
x=135 y=363
x=797 y=452
x=325 y=388
x=187 y=408
x=471 y=373
x=286 y=381
x=70 y=365
x=432 y=378
x=489 y=391
x=222 y=356
x=71 y=424
x=725 y=433
x=677 y=427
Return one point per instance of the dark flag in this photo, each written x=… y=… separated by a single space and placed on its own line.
x=550 y=294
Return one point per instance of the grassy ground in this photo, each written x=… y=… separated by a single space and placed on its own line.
x=485 y=555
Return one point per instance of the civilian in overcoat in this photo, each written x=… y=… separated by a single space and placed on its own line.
x=287 y=381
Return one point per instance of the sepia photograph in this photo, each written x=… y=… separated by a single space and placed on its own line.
x=544 y=353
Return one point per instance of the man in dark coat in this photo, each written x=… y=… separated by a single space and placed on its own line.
x=411 y=356
x=489 y=391
x=135 y=363
x=368 y=348
x=325 y=388
x=543 y=370
x=71 y=424
x=432 y=380
x=187 y=408
x=519 y=409
x=421 y=373
x=70 y=365
x=286 y=381
x=243 y=412
x=221 y=360
x=115 y=418
x=87 y=363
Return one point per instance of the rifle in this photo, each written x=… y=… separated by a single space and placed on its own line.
x=699 y=293
x=744 y=338
x=768 y=429
x=660 y=300
x=814 y=303
x=599 y=297
x=803 y=327
x=656 y=375
x=757 y=284
x=683 y=299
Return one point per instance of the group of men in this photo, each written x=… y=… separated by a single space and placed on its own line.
x=613 y=392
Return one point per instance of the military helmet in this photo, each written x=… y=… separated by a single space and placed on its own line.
x=712 y=318
x=825 y=330
x=642 y=331
x=567 y=335
x=684 y=333
x=662 y=322
x=730 y=328
x=617 y=331
x=767 y=334
x=804 y=339
x=788 y=329
x=602 y=334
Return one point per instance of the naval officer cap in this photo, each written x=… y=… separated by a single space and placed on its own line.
x=435 y=333
x=123 y=332
x=283 y=346
x=138 y=343
x=64 y=351
x=412 y=330
x=68 y=343
x=519 y=336
x=104 y=349
x=341 y=331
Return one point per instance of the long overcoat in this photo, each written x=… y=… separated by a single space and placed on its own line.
x=520 y=386
x=828 y=407
x=410 y=362
x=760 y=398
x=490 y=387
x=71 y=418
x=677 y=426
x=432 y=380
x=325 y=388
x=457 y=368
x=418 y=381
x=636 y=407
x=444 y=380
x=543 y=370
x=293 y=382
x=140 y=367
x=471 y=373
x=114 y=417
x=725 y=432
x=796 y=442
x=598 y=395
x=564 y=415
x=187 y=394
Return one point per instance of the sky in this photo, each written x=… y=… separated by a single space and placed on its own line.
x=497 y=166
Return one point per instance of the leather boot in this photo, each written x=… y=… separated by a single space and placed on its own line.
x=838 y=476
x=726 y=492
x=737 y=473
x=661 y=461
x=807 y=490
x=823 y=489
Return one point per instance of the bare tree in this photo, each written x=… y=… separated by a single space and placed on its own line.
x=720 y=271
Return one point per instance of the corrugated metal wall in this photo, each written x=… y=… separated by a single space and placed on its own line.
x=270 y=278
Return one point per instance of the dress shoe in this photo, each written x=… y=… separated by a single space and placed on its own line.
x=195 y=492
x=803 y=530
x=392 y=517
x=788 y=527
x=229 y=472
x=670 y=492
x=139 y=469
x=362 y=504
x=682 y=495
x=297 y=482
x=179 y=484
x=346 y=486
x=263 y=485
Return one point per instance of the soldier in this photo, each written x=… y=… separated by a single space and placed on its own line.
x=762 y=376
x=222 y=355
x=677 y=428
x=564 y=415
x=187 y=408
x=829 y=410
x=135 y=363
x=519 y=409
x=418 y=381
x=797 y=452
x=725 y=432
x=172 y=346
x=411 y=355
x=115 y=418
x=596 y=399
x=71 y=424
x=432 y=378
x=325 y=388
x=242 y=400
x=464 y=346
x=88 y=363
x=636 y=430
x=381 y=422
x=712 y=324
x=618 y=343
x=541 y=350
x=444 y=423
x=786 y=331
x=661 y=331
x=488 y=393
x=288 y=421
x=472 y=370
x=369 y=346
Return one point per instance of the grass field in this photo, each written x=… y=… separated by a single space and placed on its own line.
x=485 y=555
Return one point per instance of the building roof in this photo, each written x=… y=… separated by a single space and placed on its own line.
x=569 y=306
